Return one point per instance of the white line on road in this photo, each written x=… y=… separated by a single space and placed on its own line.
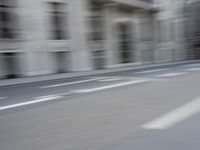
x=193 y=69
x=191 y=65
x=2 y=98
x=175 y=116
x=110 y=86
x=38 y=100
x=109 y=80
x=171 y=74
x=57 y=96
x=69 y=83
x=152 y=71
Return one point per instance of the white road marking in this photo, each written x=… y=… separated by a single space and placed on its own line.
x=193 y=69
x=46 y=96
x=69 y=83
x=171 y=74
x=109 y=79
x=80 y=91
x=152 y=71
x=175 y=116
x=38 y=100
x=191 y=65
x=57 y=96
x=2 y=98
x=110 y=86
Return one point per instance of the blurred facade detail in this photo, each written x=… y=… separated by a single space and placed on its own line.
x=192 y=23
x=39 y=37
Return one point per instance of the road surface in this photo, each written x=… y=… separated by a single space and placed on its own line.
x=152 y=109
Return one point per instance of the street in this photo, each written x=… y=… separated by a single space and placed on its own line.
x=156 y=108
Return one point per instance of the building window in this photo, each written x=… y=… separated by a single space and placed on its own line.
x=125 y=42
x=97 y=28
x=6 y=19
x=96 y=20
x=58 y=20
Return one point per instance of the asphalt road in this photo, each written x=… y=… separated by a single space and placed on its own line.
x=152 y=109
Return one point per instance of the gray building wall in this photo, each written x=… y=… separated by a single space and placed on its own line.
x=35 y=53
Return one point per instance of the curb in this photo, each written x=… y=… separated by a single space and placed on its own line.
x=26 y=80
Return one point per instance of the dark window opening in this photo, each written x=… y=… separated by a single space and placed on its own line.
x=125 y=43
x=58 y=18
x=7 y=21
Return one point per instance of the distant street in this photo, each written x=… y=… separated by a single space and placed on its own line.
x=147 y=109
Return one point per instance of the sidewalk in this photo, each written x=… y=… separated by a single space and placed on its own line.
x=6 y=82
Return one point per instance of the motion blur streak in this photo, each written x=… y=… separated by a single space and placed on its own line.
x=87 y=74
x=83 y=35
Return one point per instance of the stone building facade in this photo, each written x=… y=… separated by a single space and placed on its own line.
x=39 y=37
x=192 y=23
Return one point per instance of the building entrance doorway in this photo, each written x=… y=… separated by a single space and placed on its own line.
x=61 y=61
x=125 y=42
x=10 y=65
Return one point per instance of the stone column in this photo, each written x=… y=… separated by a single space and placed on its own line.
x=78 y=15
x=34 y=59
x=137 y=37
x=154 y=38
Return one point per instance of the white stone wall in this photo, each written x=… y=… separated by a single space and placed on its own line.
x=171 y=46
x=35 y=49
x=114 y=18
x=81 y=57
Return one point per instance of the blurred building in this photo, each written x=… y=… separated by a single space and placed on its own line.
x=39 y=37
x=192 y=24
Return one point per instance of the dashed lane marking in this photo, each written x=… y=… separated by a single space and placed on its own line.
x=175 y=116
x=110 y=86
x=193 y=69
x=2 y=98
x=171 y=74
x=69 y=83
x=109 y=79
x=37 y=100
x=191 y=65
x=61 y=95
x=152 y=71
